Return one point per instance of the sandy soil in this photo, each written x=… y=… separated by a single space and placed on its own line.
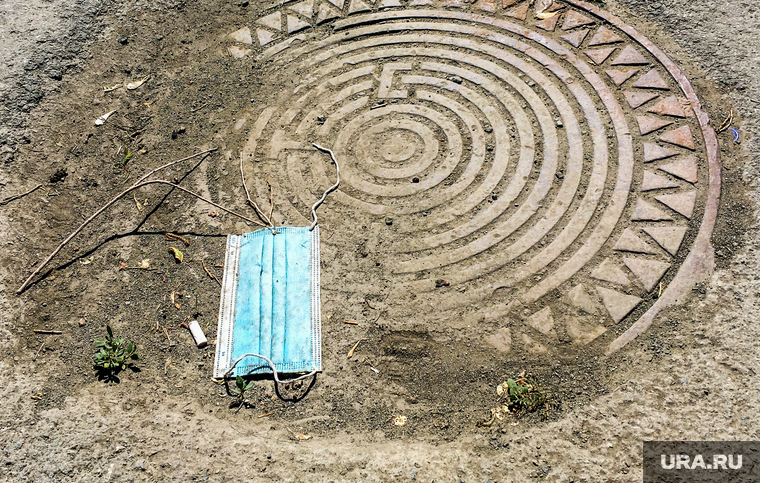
x=693 y=375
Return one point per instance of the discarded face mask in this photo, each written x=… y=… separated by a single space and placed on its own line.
x=269 y=314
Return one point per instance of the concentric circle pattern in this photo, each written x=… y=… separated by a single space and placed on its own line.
x=554 y=168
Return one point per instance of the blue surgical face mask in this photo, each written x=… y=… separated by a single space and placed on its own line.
x=270 y=319
x=269 y=315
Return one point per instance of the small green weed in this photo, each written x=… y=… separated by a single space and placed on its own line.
x=241 y=387
x=114 y=354
x=518 y=397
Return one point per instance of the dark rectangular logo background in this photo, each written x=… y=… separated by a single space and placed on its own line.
x=665 y=461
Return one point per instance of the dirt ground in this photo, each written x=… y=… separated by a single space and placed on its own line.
x=692 y=376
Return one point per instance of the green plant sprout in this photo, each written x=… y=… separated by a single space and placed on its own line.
x=241 y=387
x=517 y=397
x=114 y=354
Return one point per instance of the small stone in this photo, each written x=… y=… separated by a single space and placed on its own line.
x=456 y=79
x=488 y=129
x=489 y=148
x=181 y=130
x=244 y=4
x=560 y=176
x=174 y=134
x=559 y=123
x=415 y=180
x=389 y=221
x=494 y=197
x=442 y=283
x=160 y=38
x=321 y=119
x=545 y=469
x=140 y=465
x=123 y=41
x=82 y=321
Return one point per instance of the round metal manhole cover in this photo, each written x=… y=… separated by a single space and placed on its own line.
x=548 y=175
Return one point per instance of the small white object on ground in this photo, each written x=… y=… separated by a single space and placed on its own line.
x=102 y=119
x=197 y=332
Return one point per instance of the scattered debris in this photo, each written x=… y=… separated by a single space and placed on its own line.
x=15 y=197
x=170 y=236
x=145 y=264
x=37 y=396
x=351 y=322
x=374 y=370
x=86 y=261
x=173 y=297
x=726 y=122
x=136 y=84
x=137 y=203
x=102 y=119
x=112 y=88
x=213 y=214
x=351 y=352
x=736 y=135
x=399 y=421
x=442 y=283
x=264 y=415
x=547 y=8
x=177 y=254
x=298 y=437
x=197 y=333
x=210 y=273
x=82 y=322
x=38 y=351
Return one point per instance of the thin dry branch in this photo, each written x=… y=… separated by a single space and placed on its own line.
x=261 y=214
x=271 y=201
x=139 y=184
x=15 y=197
x=210 y=273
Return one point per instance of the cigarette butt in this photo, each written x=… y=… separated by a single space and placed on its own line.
x=198 y=335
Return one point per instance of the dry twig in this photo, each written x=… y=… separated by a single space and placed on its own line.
x=177 y=237
x=138 y=184
x=248 y=197
x=210 y=274
x=15 y=197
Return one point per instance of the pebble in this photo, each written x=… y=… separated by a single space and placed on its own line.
x=415 y=180
x=123 y=41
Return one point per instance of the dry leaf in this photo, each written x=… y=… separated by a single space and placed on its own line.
x=351 y=352
x=134 y=85
x=177 y=254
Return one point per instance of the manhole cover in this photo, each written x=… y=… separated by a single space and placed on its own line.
x=549 y=175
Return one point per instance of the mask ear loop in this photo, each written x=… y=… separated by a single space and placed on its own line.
x=271 y=365
x=330 y=189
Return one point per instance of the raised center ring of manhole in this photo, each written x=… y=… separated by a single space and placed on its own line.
x=554 y=167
